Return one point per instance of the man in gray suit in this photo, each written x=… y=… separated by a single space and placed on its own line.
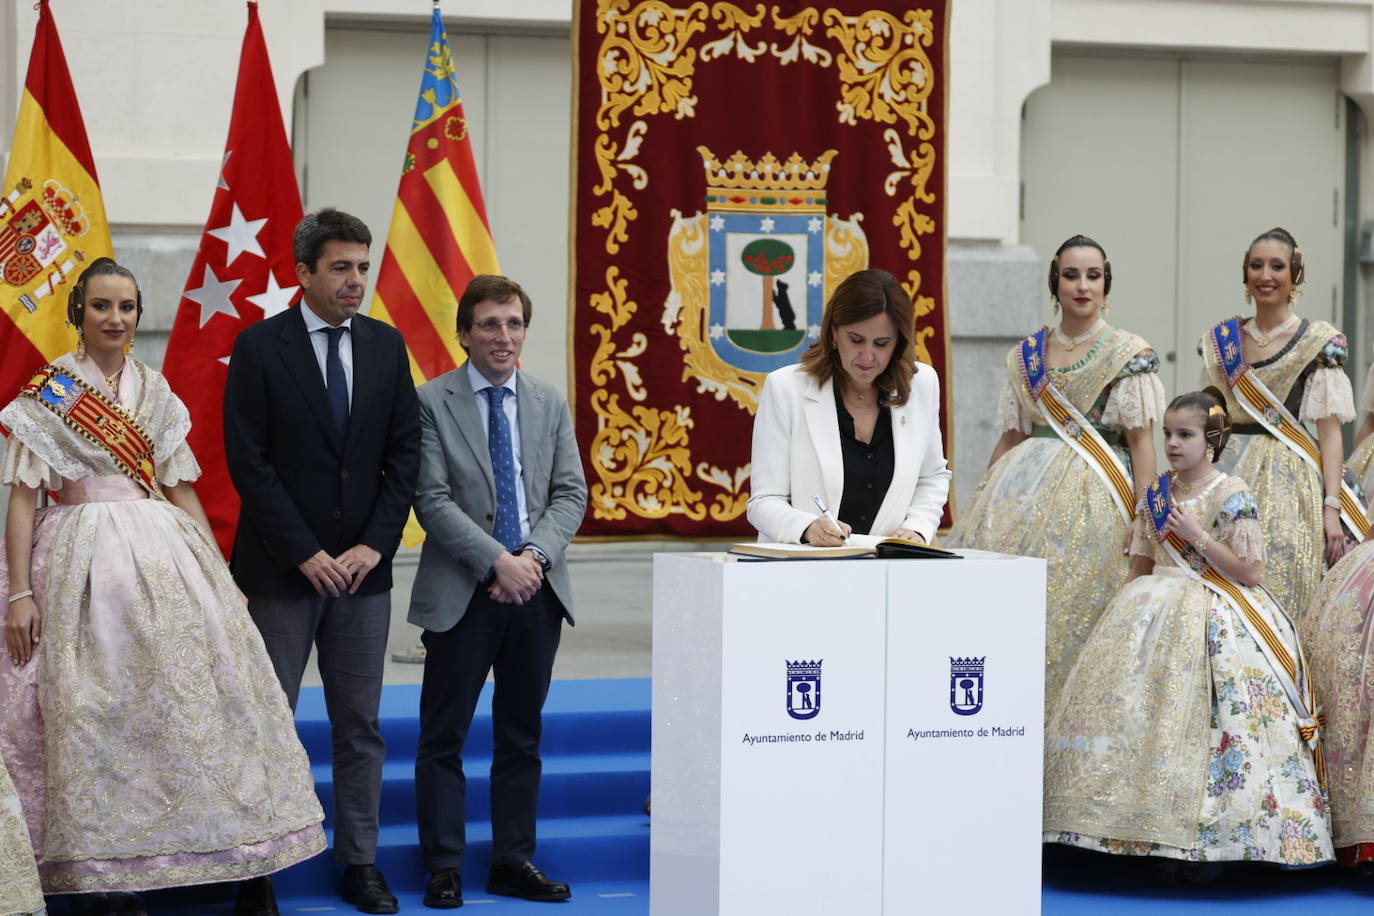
x=501 y=493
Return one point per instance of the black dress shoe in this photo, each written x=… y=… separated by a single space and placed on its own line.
x=365 y=888
x=255 y=897
x=522 y=879
x=445 y=889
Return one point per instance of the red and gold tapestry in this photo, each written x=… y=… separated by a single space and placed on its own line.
x=732 y=164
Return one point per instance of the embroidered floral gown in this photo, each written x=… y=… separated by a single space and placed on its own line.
x=1338 y=631
x=1172 y=736
x=1308 y=375
x=149 y=739
x=20 y=894
x=1040 y=499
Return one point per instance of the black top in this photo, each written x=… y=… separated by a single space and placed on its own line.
x=868 y=466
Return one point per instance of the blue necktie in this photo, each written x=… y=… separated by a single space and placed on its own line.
x=507 y=526
x=335 y=384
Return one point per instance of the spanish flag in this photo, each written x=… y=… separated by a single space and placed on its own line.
x=439 y=237
x=52 y=220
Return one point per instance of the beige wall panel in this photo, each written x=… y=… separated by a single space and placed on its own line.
x=527 y=184
x=1100 y=158
x=1261 y=148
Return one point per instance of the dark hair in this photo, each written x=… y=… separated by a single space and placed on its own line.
x=859 y=297
x=100 y=267
x=494 y=288
x=1080 y=241
x=326 y=225
x=1216 y=422
x=1296 y=268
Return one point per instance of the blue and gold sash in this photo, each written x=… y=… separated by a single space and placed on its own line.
x=1289 y=669
x=106 y=425
x=1259 y=402
x=1073 y=428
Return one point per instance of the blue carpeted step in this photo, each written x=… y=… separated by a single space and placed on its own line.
x=573 y=786
x=570 y=849
x=586 y=716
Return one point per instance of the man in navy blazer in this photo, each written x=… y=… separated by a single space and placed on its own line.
x=321 y=433
x=501 y=494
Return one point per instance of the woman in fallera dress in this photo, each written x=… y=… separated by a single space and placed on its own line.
x=1361 y=461
x=1077 y=415
x=139 y=714
x=1283 y=378
x=1186 y=728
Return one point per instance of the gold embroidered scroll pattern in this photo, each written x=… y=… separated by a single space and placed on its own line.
x=642 y=460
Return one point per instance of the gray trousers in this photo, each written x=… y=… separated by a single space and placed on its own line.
x=350 y=632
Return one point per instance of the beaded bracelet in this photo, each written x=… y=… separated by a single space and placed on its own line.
x=1202 y=543
x=27 y=593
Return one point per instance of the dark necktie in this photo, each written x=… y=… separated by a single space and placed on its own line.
x=507 y=526
x=335 y=383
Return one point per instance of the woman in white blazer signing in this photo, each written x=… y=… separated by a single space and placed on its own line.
x=855 y=423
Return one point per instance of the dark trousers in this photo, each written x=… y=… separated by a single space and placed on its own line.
x=350 y=632
x=518 y=643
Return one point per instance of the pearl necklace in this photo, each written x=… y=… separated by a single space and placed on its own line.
x=1263 y=339
x=1068 y=343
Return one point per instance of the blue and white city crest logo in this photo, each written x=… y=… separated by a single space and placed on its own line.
x=804 y=689
x=966 y=685
x=750 y=275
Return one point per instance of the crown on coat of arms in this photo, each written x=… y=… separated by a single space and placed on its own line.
x=805 y=668
x=740 y=173
x=63 y=208
x=970 y=665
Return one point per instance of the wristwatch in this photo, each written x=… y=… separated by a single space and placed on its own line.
x=539 y=555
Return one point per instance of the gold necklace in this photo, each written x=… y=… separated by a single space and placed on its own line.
x=113 y=380
x=1185 y=487
x=1263 y=338
x=1068 y=343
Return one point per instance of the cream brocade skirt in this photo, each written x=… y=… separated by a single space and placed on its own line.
x=149 y=739
x=19 y=888
x=1041 y=500
x=1173 y=738
x=1338 y=633
x=1290 y=495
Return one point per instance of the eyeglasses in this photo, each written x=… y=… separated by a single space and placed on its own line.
x=494 y=325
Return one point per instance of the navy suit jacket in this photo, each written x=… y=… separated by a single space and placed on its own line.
x=304 y=487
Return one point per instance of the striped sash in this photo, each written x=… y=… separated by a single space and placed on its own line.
x=1289 y=669
x=106 y=425
x=1073 y=428
x=1268 y=411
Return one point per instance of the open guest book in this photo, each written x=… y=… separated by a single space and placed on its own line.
x=859 y=547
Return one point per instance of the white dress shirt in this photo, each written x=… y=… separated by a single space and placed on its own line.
x=508 y=407
x=314 y=324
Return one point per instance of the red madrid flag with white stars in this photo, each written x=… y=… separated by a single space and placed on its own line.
x=244 y=270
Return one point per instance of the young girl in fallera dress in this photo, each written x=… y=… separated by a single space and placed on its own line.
x=1185 y=730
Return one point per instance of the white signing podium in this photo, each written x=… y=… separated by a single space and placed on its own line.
x=854 y=737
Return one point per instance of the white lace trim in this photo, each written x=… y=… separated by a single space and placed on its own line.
x=1244 y=537
x=22 y=466
x=1009 y=412
x=180 y=466
x=1135 y=401
x=1327 y=394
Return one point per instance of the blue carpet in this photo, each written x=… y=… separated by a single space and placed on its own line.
x=593 y=834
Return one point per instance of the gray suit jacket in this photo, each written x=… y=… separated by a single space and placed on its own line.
x=455 y=499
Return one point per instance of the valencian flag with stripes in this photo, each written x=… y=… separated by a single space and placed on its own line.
x=244 y=270
x=439 y=237
x=52 y=218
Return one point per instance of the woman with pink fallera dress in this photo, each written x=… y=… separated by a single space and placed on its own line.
x=140 y=717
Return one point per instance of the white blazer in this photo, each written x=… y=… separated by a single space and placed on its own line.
x=797 y=455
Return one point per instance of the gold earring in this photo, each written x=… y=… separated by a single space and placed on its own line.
x=80 y=344
x=1248 y=299
x=129 y=350
x=1106 y=305
x=1054 y=304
